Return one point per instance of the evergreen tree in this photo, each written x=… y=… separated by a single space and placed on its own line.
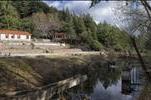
x=26 y=8
x=91 y=25
x=68 y=26
x=8 y=14
x=112 y=37
x=79 y=25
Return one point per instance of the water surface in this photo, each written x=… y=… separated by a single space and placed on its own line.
x=110 y=80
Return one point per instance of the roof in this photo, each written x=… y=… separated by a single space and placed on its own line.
x=59 y=34
x=14 y=32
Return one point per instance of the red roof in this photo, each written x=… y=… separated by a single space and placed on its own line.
x=14 y=32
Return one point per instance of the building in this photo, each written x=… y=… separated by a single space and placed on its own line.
x=57 y=37
x=14 y=35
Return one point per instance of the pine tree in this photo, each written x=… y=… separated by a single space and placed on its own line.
x=91 y=25
x=8 y=14
x=68 y=26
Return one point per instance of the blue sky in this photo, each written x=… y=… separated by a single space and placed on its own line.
x=102 y=11
x=109 y=11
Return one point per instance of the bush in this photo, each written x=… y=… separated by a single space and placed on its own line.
x=95 y=45
x=118 y=47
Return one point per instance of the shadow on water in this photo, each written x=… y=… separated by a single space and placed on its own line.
x=109 y=81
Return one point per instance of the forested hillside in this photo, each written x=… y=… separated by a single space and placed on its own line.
x=41 y=20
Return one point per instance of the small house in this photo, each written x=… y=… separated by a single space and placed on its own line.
x=14 y=35
x=57 y=36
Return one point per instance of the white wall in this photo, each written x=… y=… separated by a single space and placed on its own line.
x=22 y=37
x=49 y=44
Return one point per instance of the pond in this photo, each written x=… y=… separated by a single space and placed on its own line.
x=115 y=79
x=110 y=80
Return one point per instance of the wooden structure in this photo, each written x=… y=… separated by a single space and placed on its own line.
x=58 y=36
x=46 y=92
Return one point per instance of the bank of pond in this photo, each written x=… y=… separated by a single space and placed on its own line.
x=107 y=78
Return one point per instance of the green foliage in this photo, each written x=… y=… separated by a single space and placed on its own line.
x=8 y=14
x=95 y=45
x=148 y=42
x=23 y=7
x=41 y=20
x=26 y=25
x=16 y=23
x=9 y=18
x=6 y=9
x=9 y=22
x=68 y=26
x=26 y=8
x=79 y=25
x=69 y=30
x=91 y=25
x=112 y=37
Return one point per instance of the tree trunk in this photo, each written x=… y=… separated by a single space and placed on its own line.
x=147 y=8
x=147 y=4
x=140 y=58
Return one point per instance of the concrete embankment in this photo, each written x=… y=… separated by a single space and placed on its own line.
x=51 y=54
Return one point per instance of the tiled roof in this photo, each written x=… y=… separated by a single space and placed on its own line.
x=14 y=32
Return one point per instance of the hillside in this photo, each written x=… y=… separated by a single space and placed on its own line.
x=23 y=73
x=42 y=21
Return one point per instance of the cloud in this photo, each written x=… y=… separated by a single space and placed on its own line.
x=73 y=6
x=100 y=13
x=77 y=6
x=56 y=4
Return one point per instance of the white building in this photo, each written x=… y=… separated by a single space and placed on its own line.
x=14 y=35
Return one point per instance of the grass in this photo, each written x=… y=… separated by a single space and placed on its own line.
x=146 y=92
x=16 y=75
x=27 y=73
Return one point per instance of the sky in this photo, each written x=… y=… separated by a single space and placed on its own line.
x=108 y=11
x=104 y=11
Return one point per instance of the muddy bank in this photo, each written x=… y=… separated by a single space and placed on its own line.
x=23 y=73
x=28 y=73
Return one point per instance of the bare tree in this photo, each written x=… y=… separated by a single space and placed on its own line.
x=49 y=28
x=129 y=20
x=133 y=24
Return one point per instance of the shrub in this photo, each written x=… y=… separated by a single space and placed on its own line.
x=95 y=45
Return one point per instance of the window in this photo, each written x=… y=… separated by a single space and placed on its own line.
x=18 y=36
x=6 y=35
x=12 y=36
x=27 y=36
x=59 y=36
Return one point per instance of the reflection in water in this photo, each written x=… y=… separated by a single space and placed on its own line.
x=107 y=83
x=111 y=93
x=131 y=79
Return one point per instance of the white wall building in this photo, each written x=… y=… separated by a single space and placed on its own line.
x=12 y=35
